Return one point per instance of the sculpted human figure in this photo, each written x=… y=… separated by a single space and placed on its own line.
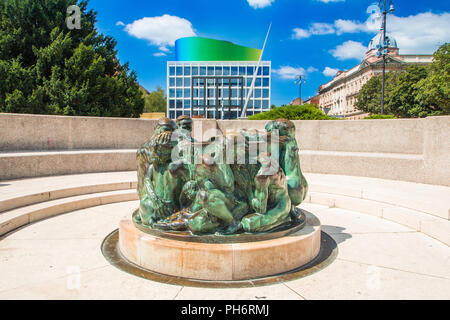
x=271 y=201
x=227 y=190
x=161 y=135
x=236 y=148
x=159 y=189
x=220 y=210
x=290 y=160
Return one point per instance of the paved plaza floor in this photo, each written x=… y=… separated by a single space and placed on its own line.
x=60 y=258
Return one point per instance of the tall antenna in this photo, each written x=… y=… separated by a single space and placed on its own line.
x=244 y=111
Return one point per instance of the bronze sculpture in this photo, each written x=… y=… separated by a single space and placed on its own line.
x=230 y=185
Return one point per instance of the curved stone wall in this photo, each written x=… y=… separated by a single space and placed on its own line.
x=416 y=150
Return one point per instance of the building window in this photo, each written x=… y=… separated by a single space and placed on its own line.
x=266 y=71
x=226 y=71
x=171 y=71
x=179 y=82
x=219 y=70
x=171 y=82
x=179 y=71
x=187 y=71
x=203 y=71
x=195 y=71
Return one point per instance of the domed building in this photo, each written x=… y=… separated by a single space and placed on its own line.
x=338 y=97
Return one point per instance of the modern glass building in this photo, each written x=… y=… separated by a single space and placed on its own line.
x=211 y=79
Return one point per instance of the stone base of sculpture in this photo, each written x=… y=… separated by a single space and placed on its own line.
x=227 y=258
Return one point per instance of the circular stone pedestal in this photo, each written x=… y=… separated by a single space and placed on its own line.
x=220 y=261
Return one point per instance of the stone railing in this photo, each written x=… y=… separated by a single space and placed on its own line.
x=416 y=150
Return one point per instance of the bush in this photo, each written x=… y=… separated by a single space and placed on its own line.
x=381 y=116
x=304 y=112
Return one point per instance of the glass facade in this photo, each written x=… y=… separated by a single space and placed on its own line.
x=217 y=89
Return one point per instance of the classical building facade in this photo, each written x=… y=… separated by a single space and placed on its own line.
x=338 y=97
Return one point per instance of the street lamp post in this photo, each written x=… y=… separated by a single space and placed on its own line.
x=299 y=80
x=384 y=48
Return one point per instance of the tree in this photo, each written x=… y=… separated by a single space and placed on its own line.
x=417 y=91
x=402 y=93
x=292 y=112
x=48 y=69
x=156 y=101
x=434 y=90
x=369 y=97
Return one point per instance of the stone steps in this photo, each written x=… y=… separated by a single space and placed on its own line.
x=16 y=218
x=24 y=192
x=435 y=227
x=28 y=164
x=429 y=199
x=422 y=207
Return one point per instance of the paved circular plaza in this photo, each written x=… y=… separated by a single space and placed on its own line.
x=61 y=258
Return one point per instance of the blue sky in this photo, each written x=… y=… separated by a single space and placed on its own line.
x=312 y=37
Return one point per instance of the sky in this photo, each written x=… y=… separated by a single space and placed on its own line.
x=314 y=38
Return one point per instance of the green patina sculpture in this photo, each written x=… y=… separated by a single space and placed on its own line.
x=241 y=182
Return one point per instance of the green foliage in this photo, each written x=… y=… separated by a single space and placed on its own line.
x=380 y=116
x=402 y=92
x=369 y=96
x=434 y=90
x=292 y=112
x=45 y=68
x=418 y=91
x=155 y=101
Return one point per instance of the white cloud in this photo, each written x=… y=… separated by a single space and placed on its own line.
x=120 y=23
x=164 y=48
x=349 y=50
x=311 y=69
x=347 y=26
x=259 y=3
x=300 y=33
x=319 y=28
x=290 y=73
x=161 y=31
x=422 y=33
x=159 y=54
x=329 y=72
